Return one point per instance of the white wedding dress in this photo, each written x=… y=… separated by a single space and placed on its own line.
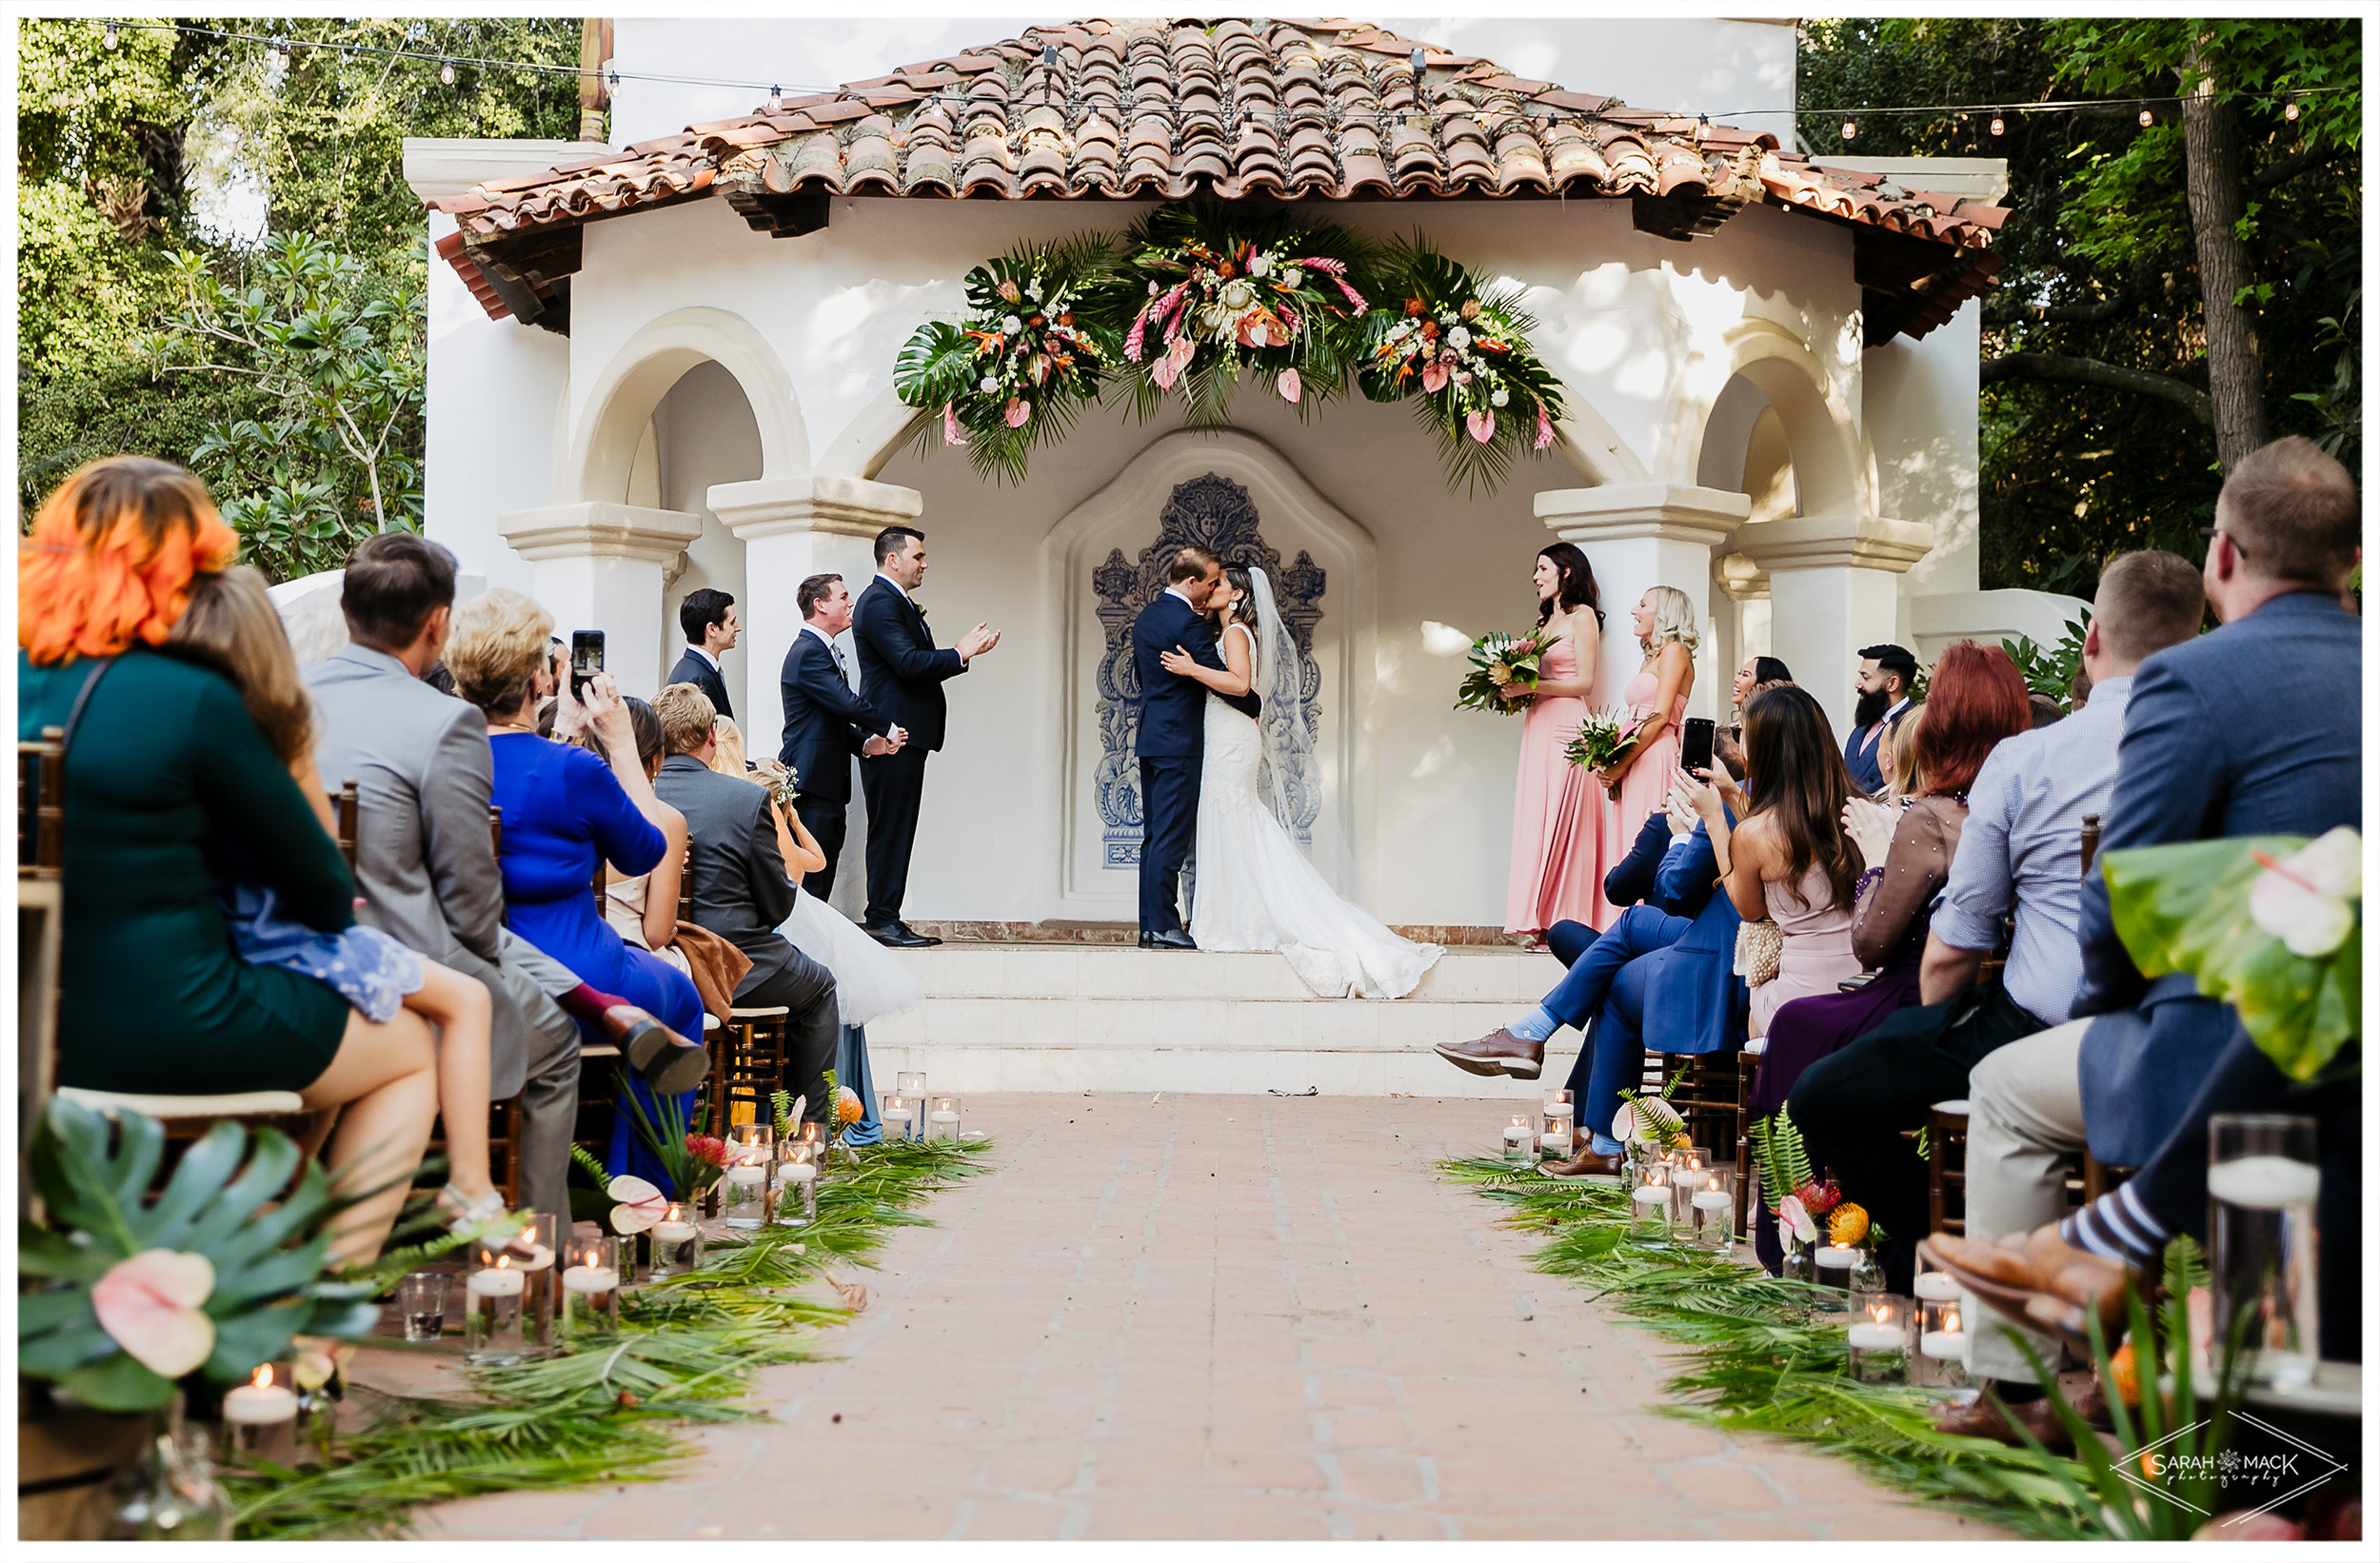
x=1254 y=890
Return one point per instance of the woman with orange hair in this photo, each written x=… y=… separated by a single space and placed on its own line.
x=162 y=758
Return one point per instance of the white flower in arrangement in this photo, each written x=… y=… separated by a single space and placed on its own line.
x=1260 y=264
x=1239 y=294
x=2305 y=900
x=1011 y=325
x=990 y=383
x=1152 y=290
x=1501 y=397
x=1459 y=338
x=1293 y=278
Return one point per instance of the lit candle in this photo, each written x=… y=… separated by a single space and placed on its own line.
x=2265 y=1182
x=589 y=1278
x=896 y=1110
x=1934 y=1286
x=1655 y=1190
x=502 y=1282
x=1876 y=1337
x=747 y=1175
x=1712 y=1199
x=793 y=1172
x=673 y=1231
x=264 y=1401
x=944 y=1114
x=1836 y=1256
x=1948 y=1344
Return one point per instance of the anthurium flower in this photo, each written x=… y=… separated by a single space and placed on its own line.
x=1434 y=376
x=2305 y=900
x=636 y=1204
x=317 y=1360
x=1796 y=1220
x=149 y=1304
x=1290 y=385
x=1018 y=410
x=1482 y=424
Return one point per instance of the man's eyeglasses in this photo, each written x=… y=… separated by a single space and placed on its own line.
x=2210 y=533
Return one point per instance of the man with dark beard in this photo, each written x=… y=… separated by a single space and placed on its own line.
x=1886 y=673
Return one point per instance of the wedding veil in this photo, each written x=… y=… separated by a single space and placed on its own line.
x=1287 y=748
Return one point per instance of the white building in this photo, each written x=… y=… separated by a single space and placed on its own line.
x=670 y=366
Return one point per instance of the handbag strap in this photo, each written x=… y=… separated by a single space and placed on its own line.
x=75 y=713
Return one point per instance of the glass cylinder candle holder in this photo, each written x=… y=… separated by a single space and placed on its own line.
x=422 y=1305
x=743 y=1186
x=910 y=1083
x=677 y=1243
x=1833 y=1264
x=590 y=1290
x=898 y=1114
x=1941 y=1360
x=2262 y=1180
x=532 y=1251
x=491 y=1312
x=941 y=1122
x=1800 y=1258
x=1879 y=1338
x=796 y=1184
x=1520 y=1139
x=1649 y=1204
x=260 y=1418
x=1932 y=1283
x=1705 y=1209
x=1558 y=1136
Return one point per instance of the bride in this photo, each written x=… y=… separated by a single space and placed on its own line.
x=1255 y=890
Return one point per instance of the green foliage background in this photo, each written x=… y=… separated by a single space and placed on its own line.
x=2073 y=474
x=115 y=149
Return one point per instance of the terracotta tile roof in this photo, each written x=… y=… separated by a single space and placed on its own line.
x=1294 y=110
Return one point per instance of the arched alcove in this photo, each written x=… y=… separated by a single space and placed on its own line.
x=603 y=448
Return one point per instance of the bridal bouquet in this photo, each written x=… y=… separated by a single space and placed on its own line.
x=1603 y=737
x=1497 y=660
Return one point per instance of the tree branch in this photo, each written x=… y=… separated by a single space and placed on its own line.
x=2058 y=314
x=2090 y=371
x=2289 y=168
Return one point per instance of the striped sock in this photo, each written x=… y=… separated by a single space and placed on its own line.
x=2116 y=1226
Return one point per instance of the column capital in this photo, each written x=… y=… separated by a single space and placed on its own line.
x=1669 y=511
x=825 y=502
x=1742 y=580
x=599 y=529
x=1843 y=542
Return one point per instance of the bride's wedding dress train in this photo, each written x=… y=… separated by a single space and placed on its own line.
x=1254 y=890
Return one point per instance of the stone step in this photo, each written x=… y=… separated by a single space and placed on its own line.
x=1098 y=1017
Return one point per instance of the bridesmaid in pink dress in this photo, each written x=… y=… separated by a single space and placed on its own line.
x=1639 y=779
x=1559 y=829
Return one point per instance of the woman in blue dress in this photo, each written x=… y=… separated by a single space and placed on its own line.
x=565 y=811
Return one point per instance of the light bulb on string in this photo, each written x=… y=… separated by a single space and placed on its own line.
x=2289 y=110
x=2147 y=119
x=2000 y=128
x=1851 y=129
x=446 y=72
x=109 y=38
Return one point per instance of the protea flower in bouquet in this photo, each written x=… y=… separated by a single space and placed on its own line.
x=1017 y=368
x=1602 y=737
x=1497 y=660
x=1221 y=293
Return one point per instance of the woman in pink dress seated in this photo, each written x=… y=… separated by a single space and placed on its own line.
x=1788 y=857
x=1638 y=781
x=1557 y=810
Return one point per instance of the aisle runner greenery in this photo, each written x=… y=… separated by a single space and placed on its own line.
x=687 y=1350
x=1757 y=1362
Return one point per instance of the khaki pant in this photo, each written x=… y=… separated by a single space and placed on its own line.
x=2024 y=1117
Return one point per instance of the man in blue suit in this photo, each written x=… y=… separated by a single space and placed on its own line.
x=708 y=618
x=827 y=723
x=901 y=674
x=1172 y=741
x=1887 y=673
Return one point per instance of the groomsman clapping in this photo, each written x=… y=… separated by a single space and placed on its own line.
x=826 y=722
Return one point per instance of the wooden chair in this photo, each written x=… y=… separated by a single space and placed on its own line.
x=40 y=908
x=346 y=808
x=748 y=1062
x=1747 y=1086
x=1946 y=1178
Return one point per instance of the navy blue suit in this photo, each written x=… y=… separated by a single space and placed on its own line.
x=1633 y=877
x=1172 y=748
x=692 y=669
x=825 y=725
x=1860 y=756
x=901 y=674
x=2205 y=754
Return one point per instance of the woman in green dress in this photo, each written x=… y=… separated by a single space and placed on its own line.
x=162 y=760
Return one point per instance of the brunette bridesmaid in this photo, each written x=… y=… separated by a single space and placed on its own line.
x=1558 y=808
x=1657 y=697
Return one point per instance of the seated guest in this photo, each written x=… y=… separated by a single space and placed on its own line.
x=564 y=812
x=741 y=889
x=1896 y=756
x=826 y=722
x=424 y=866
x=1755 y=672
x=1886 y=674
x=2046 y=711
x=1632 y=878
x=2078 y=691
x=708 y=618
x=1662 y=970
x=164 y=762
x=1976 y=700
x=232 y=627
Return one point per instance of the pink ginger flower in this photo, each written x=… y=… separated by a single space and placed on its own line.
x=1353 y=297
x=951 y=436
x=1545 y=427
x=1131 y=339
x=1324 y=264
x=149 y=1304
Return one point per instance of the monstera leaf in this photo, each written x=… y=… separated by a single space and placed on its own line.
x=231 y=1201
x=2194 y=907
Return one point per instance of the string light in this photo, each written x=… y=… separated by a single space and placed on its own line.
x=2147 y=119
x=1851 y=129
x=1998 y=127
x=109 y=40
x=2289 y=110
x=445 y=72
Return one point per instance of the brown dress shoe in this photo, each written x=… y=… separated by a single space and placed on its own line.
x=1585 y=1164
x=1982 y=1419
x=1498 y=1053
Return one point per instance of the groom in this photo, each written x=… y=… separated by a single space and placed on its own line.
x=1172 y=743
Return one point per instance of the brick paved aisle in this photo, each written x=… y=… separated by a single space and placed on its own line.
x=1223 y=1317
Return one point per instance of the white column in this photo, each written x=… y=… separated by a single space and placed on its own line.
x=793 y=529
x=1648 y=534
x=598 y=566
x=1834 y=586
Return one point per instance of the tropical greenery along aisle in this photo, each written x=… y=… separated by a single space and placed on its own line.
x=1757 y=1362
x=688 y=1350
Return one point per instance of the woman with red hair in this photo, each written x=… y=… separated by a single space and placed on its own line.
x=1975 y=697
x=163 y=759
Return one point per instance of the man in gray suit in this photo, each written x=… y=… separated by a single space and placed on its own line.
x=425 y=863
x=740 y=890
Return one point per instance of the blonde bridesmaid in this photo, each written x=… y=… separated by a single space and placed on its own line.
x=1657 y=697
x=1558 y=830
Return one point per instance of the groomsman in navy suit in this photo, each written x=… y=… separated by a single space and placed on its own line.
x=708 y=618
x=902 y=673
x=826 y=722
x=1172 y=741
